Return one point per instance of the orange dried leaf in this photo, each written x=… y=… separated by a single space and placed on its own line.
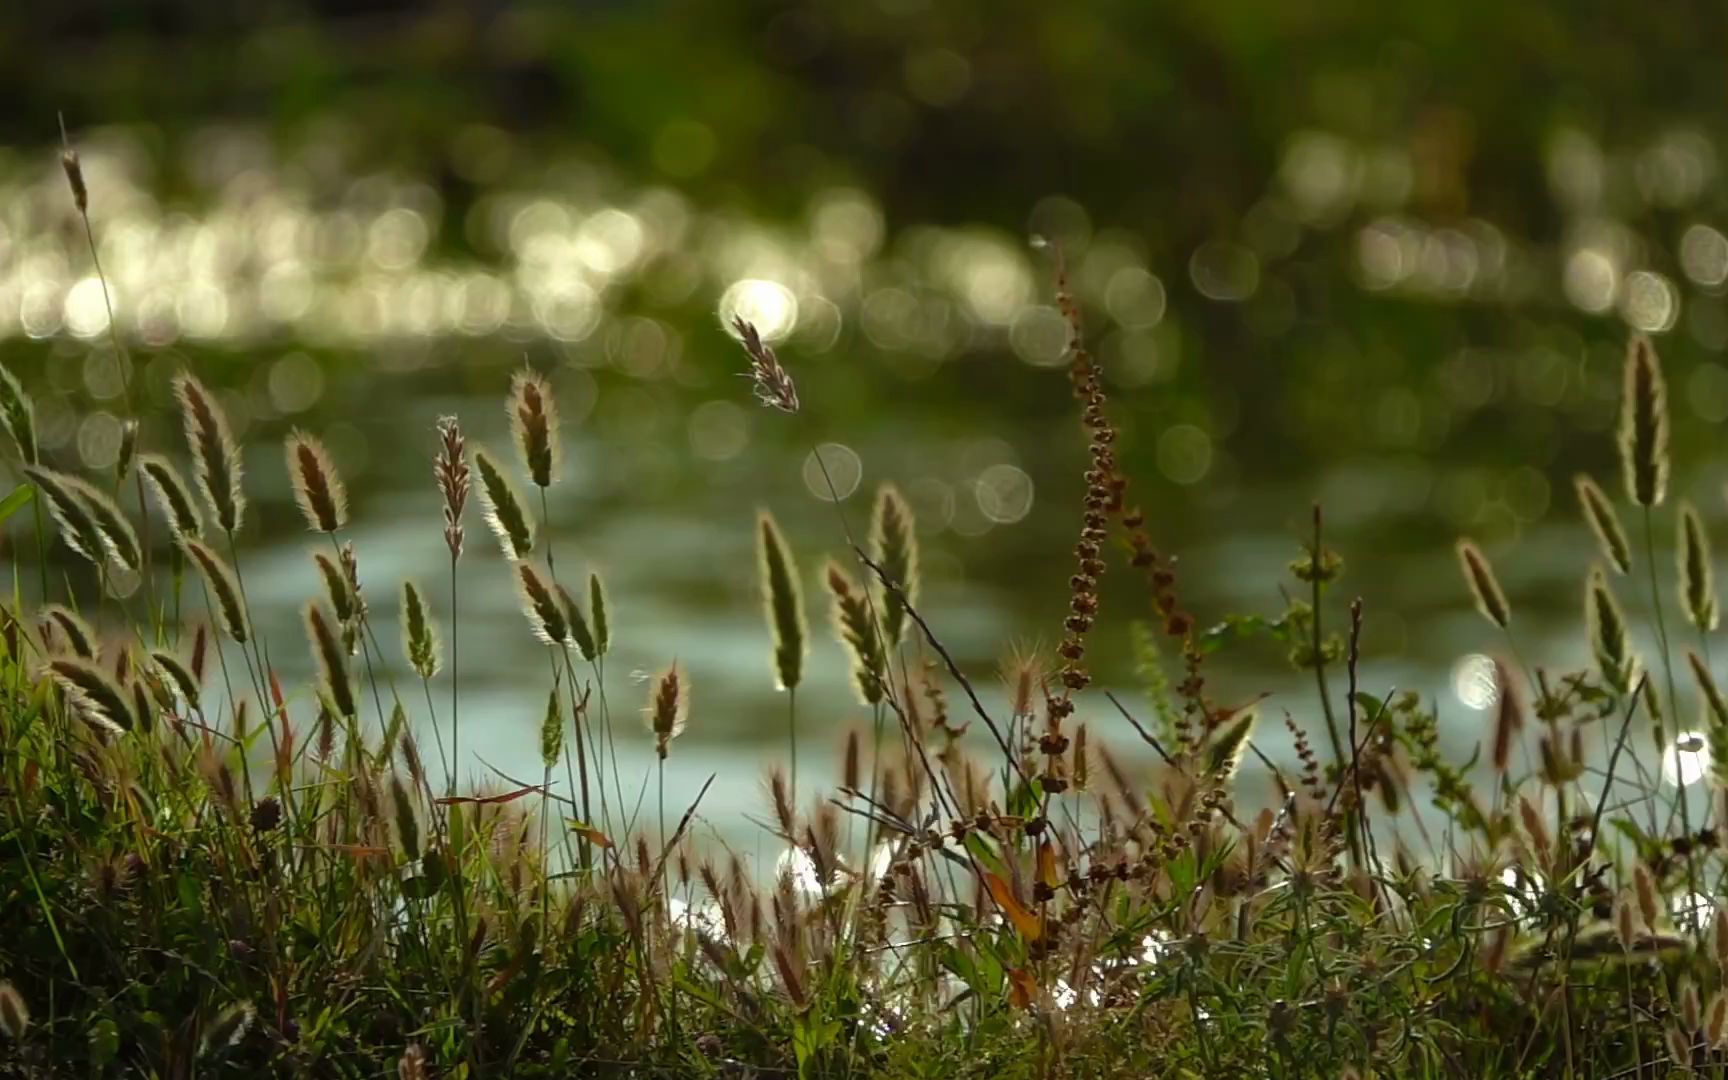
x=591 y=834
x=1029 y=925
x=1021 y=988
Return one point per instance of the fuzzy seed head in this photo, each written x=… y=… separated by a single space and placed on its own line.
x=784 y=601
x=1697 y=587
x=173 y=497
x=1609 y=641
x=1716 y=1021
x=14 y=1014
x=540 y=607
x=857 y=630
x=450 y=468
x=504 y=513
x=534 y=423
x=580 y=632
x=773 y=384
x=92 y=695
x=223 y=585
x=18 y=416
x=1644 y=425
x=79 y=527
x=1625 y=921
x=318 y=487
x=896 y=550
x=332 y=661
x=1484 y=586
x=1600 y=515
x=597 y=611
x=668 y=707
x=1644 y=891
x=419 y=635
x=214 y=451
x=71 y=627
x=552 y=731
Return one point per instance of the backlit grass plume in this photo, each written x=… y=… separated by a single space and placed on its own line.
x=1484 y=586
x=784 y=600
x=668 y=708
x=1697 y=587
x=18 y=415
x=1609 y=642
x=450 y=468
x=224 y=587
x=118 y=538
x=773 y=384
x=172 y=495
x=1599 y=514
x=93 y=695
x=177 y=672
x=597 y=612
x=317 y=486
x=419 y=635
x=78 y=526
x=14 y=1015
x=213 y=449
x=336 y=588
x=1644 y=425
x=534 y=424
x=80 y=639
x=504 y=514
x=540 y=607
x=552 y=730
x=858 y=631
x=332 y=661
x=580 y=630
x=896 y=544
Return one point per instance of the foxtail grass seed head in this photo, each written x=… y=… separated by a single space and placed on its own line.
x=419 y=635
x=229 y=1028
x=1679 y=1045
x=407 y=824
x=74 y=170
x=534 y=424
x=1608 y=637
x=95 y=697
x=172 y=496
x=71 y=627
x=1644 y=891
x=412 y=1065
x=857 y=631
x=597 y=612
x=1484 y=586
x=450 y=468
x=18 y=415
x=332 y=660
x=668 y=708
x=1644 y=425
x=784 y=600
x=128 y=448
x=214 y=451
x=1691 y=1012
x=180 y=675
x=224 y=587
x=317 y=486
x=1625 y=921
x=580 y=632
x=336 y=588
x=78 y=526
x=118 y=538
x=504 y=513
x=1719 y=939
x=1604 y=521
x=1697 y=586
x=896 y=542
x=1534 y=827
x=552 y=730
x=1716 y=1021
x=14 y=1014
x=540 y=607
x=1508 y=719
x=772 y=383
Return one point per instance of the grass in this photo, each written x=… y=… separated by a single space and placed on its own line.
x=203 y=871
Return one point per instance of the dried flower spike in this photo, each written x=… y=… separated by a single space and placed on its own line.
x=540 y=607
x=773 y=385
x=332 y=661
x=451 y=469
x=317 y=486
x=18 y=416
x=858 y=631
x=1644 y=425
x=172 y=495
x=1608 y=637
x=224 y=587
x=14 y=1014
x=668 y=708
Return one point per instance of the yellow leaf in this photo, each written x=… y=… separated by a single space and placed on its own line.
x=1021 y=987
x=1030 y=926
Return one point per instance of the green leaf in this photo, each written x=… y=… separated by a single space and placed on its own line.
x=104 y=1041
x=16 y=501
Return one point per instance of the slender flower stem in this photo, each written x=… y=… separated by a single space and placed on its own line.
x=1668 y=670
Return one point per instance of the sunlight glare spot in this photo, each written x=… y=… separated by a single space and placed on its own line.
x=1686 y=760
x=1474 y=682
x=768 y=305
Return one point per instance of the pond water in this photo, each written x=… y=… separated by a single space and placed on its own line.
x=362 y=308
